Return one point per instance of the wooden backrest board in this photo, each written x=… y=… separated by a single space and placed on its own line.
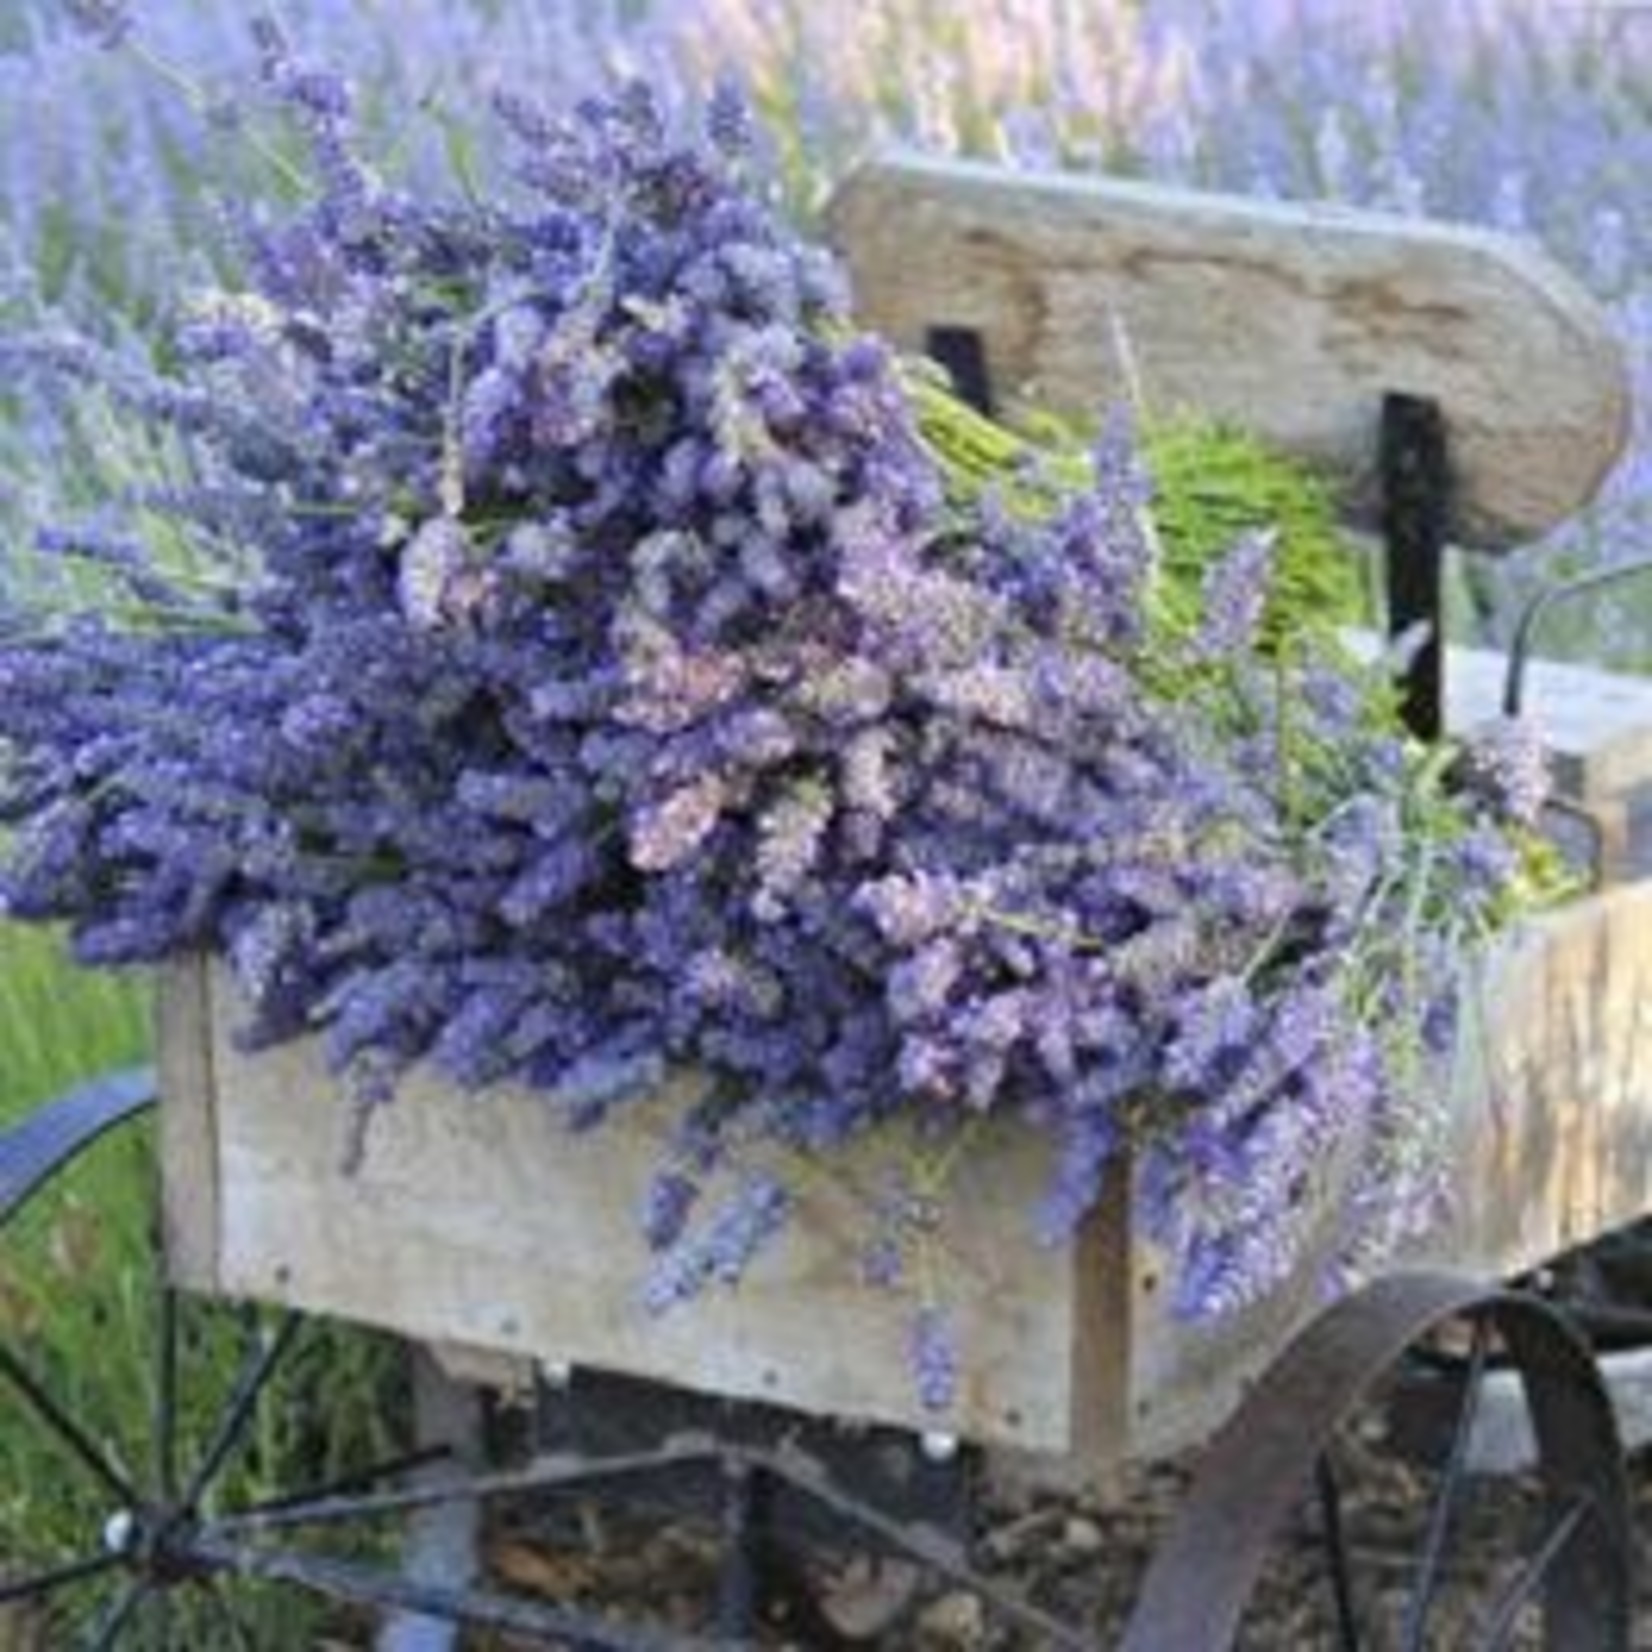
x=1291 y=321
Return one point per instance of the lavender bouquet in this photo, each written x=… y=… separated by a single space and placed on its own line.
x=564 y=648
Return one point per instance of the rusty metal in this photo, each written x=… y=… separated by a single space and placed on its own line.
x=1258 y=1469
x=161 y=1542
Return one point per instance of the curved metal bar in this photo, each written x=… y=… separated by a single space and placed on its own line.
x=1336 y=1553
x=33 y=1151
x=1580 y=1461
x=1203 y=1574
x=1535 y=611
x=1445 y=1501
x=1505 y=1614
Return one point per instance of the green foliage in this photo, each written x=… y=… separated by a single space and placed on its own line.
x=59 y=1024
x=1211 y=483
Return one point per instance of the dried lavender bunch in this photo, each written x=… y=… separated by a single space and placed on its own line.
x=620 y=684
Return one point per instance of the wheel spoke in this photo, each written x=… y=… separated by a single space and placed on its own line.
x=14 y=1591
x=1506 y=1612
x=68 y=1431
x=548 y=1476
x=357 y=1480
x=255 y=1377
x=1445 y=1500
x=165 y=1416
x=158 y=1620
x=1336 y=1553
x=116 y=1617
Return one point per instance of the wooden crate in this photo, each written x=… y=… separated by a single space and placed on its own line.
x=478 y=1220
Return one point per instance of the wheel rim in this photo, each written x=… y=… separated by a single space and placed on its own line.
x=140 y=1407
x=1275 y=1452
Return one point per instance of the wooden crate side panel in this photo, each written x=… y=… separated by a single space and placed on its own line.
x=1551 y=1146
x=480 y=1220
x=1187 y=1377
x=1291 y=321
x=188 y=1128
x=1554 y=1088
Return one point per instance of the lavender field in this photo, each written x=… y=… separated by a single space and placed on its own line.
x=1533 y=115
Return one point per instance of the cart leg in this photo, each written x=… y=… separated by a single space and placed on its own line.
x=747 y=1536
x=442 y=1541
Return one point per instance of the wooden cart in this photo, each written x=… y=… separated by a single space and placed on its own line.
x=1451 y=384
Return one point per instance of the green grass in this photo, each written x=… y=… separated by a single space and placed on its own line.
x=77 y=1302
x=59 y=1024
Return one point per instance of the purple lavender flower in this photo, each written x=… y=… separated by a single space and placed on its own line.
x=1506 y=763
x=602 y=682
x=1235 y=594
x=108 y=23
x=934 y=1356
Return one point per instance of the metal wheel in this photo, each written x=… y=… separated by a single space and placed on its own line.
x=187 y=1540
x=1276 y=1504
x=132 y=1416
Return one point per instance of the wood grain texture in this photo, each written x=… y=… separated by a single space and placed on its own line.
x=480 y=1220
x=1554 y=1087
x=188 y=1130
x=1291 y=321
x=1550 y=1145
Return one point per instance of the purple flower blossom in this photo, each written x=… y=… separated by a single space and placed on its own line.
x=934 y=1355
x=1235 y=593
x=106 y=22
x=1506 y=763
x=609 y=686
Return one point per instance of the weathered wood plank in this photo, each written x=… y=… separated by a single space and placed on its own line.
x=1554 y=1087
x=480 y=1220
x=188 y=1127
x=1552 y=1145
x=1291 y=321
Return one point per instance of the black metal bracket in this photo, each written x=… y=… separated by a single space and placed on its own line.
x=1416 y=478
x=962 y=352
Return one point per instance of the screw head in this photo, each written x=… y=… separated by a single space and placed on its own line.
x=120 y=1531
x=938 y=1447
